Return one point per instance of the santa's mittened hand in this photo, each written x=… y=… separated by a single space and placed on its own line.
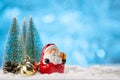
x=47 y=61
x=64 y=61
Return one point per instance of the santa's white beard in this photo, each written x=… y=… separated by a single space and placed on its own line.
x=53 y=58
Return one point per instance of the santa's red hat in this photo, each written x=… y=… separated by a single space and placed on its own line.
x=47 y=47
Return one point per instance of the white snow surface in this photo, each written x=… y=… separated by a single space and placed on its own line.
x=95 y=72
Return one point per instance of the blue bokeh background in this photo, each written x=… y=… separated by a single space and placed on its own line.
x=88 y=31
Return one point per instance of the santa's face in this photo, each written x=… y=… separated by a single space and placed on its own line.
x=53 y=56
x=52 y=51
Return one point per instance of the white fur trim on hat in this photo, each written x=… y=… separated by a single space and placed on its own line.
x=49 y=47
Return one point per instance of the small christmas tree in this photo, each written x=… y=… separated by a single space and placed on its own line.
x=24 y=31
x=14 y=50
x=23 y=36
x=33 y=42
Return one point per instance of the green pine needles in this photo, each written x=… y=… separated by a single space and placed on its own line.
x=19 y=44
x=14 y=50
x=33 y=42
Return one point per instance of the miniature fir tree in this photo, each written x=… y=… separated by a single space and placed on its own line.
x=33 y=42
x=24 y=30
x=13 y=50
x=23 y=36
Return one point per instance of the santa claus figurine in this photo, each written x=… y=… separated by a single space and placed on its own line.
x=52 y=60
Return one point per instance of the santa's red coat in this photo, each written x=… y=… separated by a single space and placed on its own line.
x=50 y=68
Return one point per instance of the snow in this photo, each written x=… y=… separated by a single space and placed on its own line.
x=72 y=72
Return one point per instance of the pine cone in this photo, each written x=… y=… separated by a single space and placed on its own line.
x=10 y=67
